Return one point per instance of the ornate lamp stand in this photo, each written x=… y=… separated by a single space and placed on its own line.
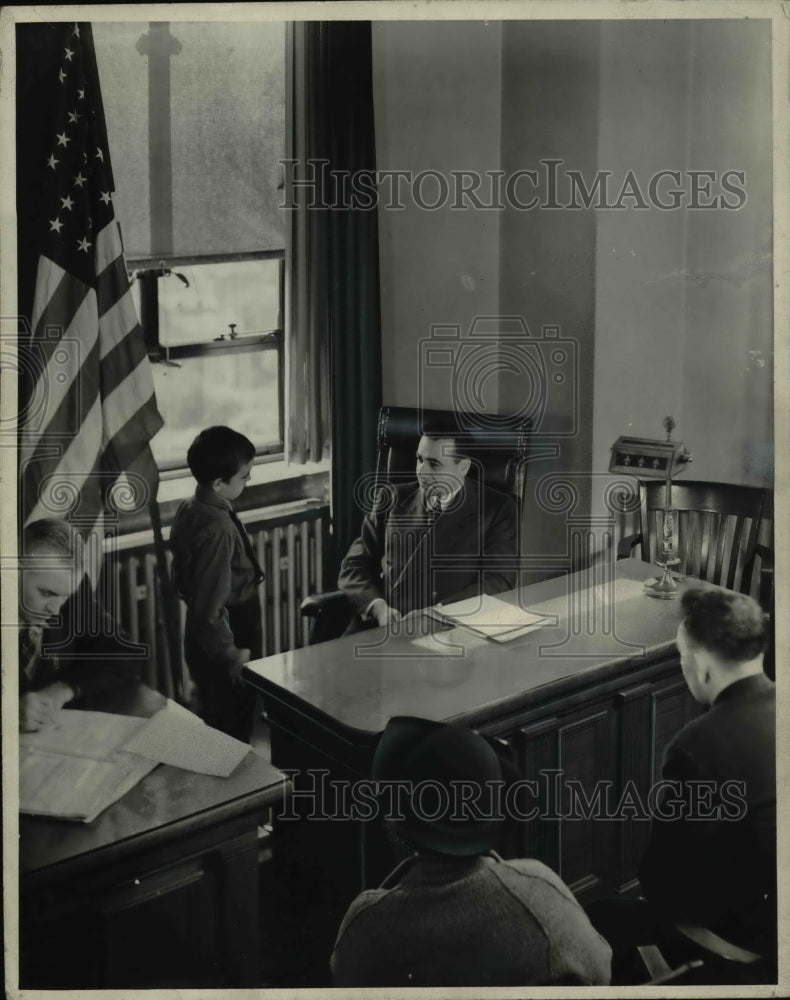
x=653 y=460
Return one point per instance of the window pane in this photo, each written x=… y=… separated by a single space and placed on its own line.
x=228 y=136
x=226 y=129
x=238 y=388
x=246 y=293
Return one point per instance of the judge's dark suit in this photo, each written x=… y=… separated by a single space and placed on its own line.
x=412 y=563
x=718 y=867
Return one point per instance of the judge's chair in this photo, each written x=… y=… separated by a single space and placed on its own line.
x=497 y=446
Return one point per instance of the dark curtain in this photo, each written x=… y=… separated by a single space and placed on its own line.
x=333 y=293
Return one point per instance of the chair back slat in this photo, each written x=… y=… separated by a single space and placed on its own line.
x=735 y=552
x=711 y=524
x=716 y=529
x=721 y=545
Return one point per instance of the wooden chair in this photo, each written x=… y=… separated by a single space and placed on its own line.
x=716 y=529
x=497 y=447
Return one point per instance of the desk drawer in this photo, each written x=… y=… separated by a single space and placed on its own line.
x=191 y=923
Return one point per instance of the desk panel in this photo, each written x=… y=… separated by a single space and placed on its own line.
x=595 y=696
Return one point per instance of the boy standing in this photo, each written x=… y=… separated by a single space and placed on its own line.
x=217 y=574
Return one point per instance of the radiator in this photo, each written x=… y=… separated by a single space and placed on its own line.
x=289 y=541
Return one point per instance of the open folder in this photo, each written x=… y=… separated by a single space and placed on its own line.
x=86 y=761
x=493 y=618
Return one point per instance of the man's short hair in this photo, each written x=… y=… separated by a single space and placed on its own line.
x=732 y=626
x=53 y=537
x=446 y=429
x=218 y=453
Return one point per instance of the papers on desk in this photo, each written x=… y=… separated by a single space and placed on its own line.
x=177 y=737
x=493 y=618
x=88 y=760
x=76 y=788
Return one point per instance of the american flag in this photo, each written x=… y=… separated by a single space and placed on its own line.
x=91 y=409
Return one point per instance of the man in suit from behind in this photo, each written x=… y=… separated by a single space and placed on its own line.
x=438 y=539
x=712 y=859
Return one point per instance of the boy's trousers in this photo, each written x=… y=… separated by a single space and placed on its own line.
x=227 y=704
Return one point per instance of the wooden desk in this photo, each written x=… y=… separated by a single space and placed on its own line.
x=160 y=890
x=596 y=696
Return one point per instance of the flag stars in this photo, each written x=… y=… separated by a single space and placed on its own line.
x=81 y=94
x=63 y=139
x=52 y=162
x=105 y=197
x=68 y=53
x=74 y=115
x=99 y=154
x=79 y=180
x=83 y=244
x=61 y=76
x=67 y=203
x=76 y=30
x=55 y=225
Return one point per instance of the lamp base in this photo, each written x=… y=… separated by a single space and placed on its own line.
x=664 y=589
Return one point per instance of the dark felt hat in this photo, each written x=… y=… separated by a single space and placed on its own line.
x=434 y=757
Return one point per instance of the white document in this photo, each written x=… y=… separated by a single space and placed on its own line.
x=95 y=735
x=76 y=788
x=493 y=618
x=82 y=763
x=183 y=740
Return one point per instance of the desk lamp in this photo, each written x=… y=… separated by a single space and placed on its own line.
x=653 y=459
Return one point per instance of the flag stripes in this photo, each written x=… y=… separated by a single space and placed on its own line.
x=100 y=410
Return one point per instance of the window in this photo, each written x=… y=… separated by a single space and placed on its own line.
x=214 y=331
x=196 y=143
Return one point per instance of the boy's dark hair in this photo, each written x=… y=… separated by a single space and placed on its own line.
x=732 y=626
x=218 y=453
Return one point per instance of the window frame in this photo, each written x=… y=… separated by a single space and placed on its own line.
x=148 y=271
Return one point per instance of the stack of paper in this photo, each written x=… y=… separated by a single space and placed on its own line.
x=493 y=618
x=85 y=761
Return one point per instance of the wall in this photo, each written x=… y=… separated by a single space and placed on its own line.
x=437 y=107
x=547 y=272
x=684 y=296
x=671 y=309
x=727 y=402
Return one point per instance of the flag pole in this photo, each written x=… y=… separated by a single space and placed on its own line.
x=169 y=605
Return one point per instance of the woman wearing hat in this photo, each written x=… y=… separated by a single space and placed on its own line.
x=454 y=913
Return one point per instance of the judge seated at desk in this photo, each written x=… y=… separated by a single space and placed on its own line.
x=439 y=539
x=70 y=650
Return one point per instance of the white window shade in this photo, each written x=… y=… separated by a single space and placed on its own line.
x=227 y=114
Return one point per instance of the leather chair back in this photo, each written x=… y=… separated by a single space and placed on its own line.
x=498 y=448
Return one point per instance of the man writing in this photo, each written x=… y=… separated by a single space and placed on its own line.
x=63 y=662
x=437 y=540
